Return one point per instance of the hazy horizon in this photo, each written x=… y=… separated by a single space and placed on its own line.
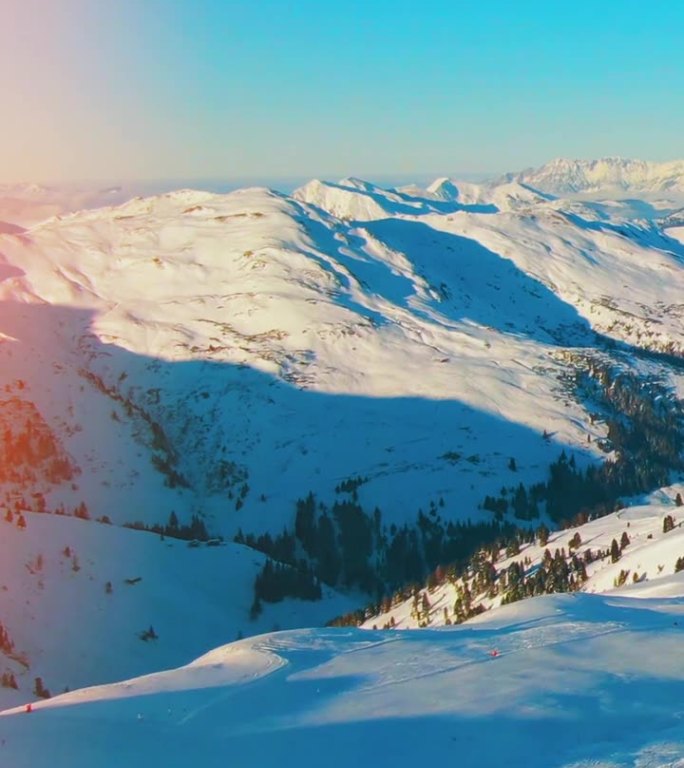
x=219 y=183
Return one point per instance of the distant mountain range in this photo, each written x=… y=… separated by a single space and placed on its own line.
x=562 y=177
x=605 y=178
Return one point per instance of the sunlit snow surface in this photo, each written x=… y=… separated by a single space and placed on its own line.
x=577 y=680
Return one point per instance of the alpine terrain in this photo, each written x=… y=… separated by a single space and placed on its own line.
x=247 y=439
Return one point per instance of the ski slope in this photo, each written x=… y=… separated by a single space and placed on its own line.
x=576 y=680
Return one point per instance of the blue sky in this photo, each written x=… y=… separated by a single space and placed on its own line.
x=272 y=89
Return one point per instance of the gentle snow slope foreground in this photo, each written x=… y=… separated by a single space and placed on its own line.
x=77 y=598
x=571 y=680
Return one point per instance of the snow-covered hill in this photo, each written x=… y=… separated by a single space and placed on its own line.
x=356 y=200
x=235 y=323
x=219 y=333
x=491 y=197
x=565 y=680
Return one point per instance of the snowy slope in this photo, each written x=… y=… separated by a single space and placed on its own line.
x=77 y=596
x=619 y=276
x=353 y=199
x=221 y=316
x=360 y=200
x=578 y=680
x=491 y=197
x=644 y=564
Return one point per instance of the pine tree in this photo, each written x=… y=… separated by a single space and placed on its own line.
x=40 y=690
x=6 y=644
x=149 y=634
x=305 y=523
x=543 y=535
x=614 y=551
x=513 y=548
x=81 y=511
x=255 y=610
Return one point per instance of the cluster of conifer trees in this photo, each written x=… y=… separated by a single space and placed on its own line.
x=7 y=679
x=559 y=571
x=195 y=530
x=277 y=581
x=6 y=644
x=644 y=430
x=344 y=546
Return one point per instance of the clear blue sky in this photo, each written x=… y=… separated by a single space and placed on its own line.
x=271 y=88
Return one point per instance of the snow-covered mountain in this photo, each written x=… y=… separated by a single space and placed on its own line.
x=193 y=358
x=234 y=323
x=563 y=177
x=356 y=200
